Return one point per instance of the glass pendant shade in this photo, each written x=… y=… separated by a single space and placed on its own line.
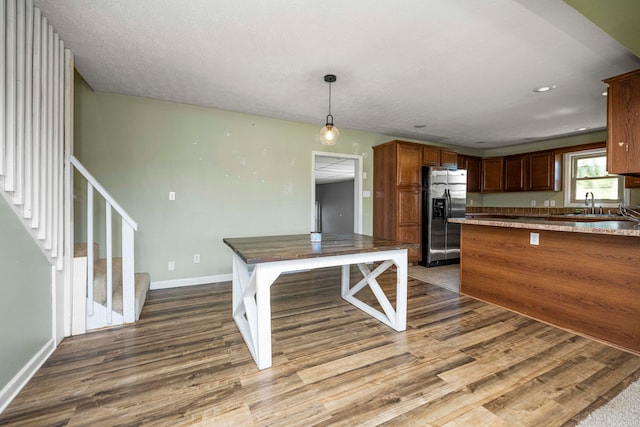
x=329 y=133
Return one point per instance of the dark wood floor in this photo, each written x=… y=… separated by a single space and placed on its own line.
x=460 y=362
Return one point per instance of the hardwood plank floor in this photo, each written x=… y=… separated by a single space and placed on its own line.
x=460 y=362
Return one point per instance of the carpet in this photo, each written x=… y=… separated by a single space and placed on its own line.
x=621 y=411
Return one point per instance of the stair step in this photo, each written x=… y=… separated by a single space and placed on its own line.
x=80 y=250
x=141 y=286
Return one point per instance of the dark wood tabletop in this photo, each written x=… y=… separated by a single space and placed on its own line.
x=255 y=250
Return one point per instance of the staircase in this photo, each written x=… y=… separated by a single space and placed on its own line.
x=99 y=312
x=38 y=179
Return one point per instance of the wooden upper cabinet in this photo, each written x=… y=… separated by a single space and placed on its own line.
x=516 y=172
x=623 y=124
x=409 y=157
x=492 y=172
x=544 y=171
x=631 y=182
x=537 y=171
x=430 y=156
x=472 y=165
x=448 y=159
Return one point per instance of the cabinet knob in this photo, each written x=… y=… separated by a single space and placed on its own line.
x=620 y=143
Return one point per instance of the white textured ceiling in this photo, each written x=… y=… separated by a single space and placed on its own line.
x=463 y=68
x=333 y=169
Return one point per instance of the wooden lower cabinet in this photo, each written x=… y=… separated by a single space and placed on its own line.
x=585 y=283
x=410 y=234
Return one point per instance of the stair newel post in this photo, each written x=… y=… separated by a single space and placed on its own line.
x=109 y=264
x=90 y=255
x=128 y=273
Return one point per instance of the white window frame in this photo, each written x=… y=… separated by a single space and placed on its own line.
x=568 y=181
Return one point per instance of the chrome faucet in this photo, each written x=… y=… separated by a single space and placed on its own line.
x=593 y=203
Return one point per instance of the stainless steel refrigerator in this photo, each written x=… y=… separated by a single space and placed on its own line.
x=444 y=196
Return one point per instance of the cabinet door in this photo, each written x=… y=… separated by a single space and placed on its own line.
x=409 y=201
x=492 y=175
x=541 y=171
x=623 y=124
x=409 y=158
x=411 y=234
x=631 y=182
x=430 y=156
x=515 y=173
x=472 y=165
x=408 y=225
x=448 y=159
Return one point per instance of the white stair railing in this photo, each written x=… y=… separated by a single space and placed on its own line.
x=35 y=72
x=129 y=226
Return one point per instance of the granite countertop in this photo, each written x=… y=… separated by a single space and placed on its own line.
x=616 y=228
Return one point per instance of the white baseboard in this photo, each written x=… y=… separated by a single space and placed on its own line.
x=192 y=281
x=13 y=387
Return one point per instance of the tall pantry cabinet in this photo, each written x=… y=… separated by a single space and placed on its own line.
x=397 y=188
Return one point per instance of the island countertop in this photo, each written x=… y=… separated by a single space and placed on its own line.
x=616 y=228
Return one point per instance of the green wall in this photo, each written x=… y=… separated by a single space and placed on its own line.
x=25 y=296
x=619 y=18
x=233 y=175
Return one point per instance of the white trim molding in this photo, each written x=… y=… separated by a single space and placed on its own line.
x=192 y=281
x=13 y=387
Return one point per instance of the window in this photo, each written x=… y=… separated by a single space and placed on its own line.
x=586 y=173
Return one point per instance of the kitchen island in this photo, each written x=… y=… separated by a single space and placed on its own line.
x=580 y=276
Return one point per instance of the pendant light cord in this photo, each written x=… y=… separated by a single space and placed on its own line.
x=330 y=99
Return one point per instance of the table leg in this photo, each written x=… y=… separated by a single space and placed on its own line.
x=402 y=268
x=396 y=318
x=251 y=301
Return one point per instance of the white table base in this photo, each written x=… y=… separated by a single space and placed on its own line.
x=252 y=293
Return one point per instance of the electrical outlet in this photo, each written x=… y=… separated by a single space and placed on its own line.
x=552 y=203
x=546 y=203
x=534 y=239
x=366 y=193
x=171 y=266
x=196 y=258
x=470 y=202
x=533 y=203
x=172 y=195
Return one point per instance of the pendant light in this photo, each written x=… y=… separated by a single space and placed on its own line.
x=329 y=133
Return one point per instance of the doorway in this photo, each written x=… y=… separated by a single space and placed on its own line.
x=336 y=192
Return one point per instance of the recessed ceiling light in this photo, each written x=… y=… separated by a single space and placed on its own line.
x=481 y=142
x=419 y=126
x=581 y=129
x=604 y=93
x=544 y=88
